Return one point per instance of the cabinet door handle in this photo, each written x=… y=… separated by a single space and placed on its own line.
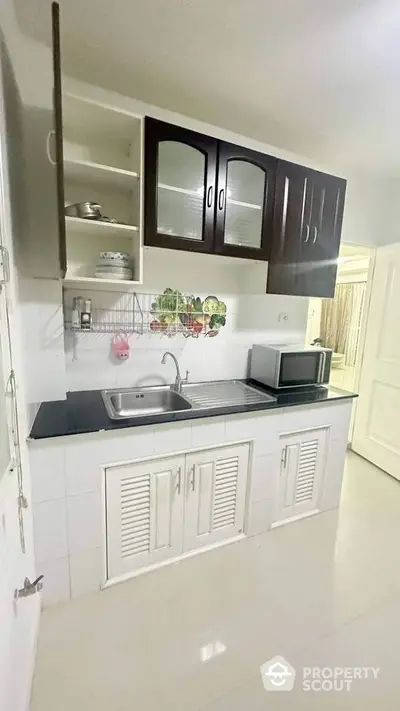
x=192 y=477
x=50 y=136
x=315 y=235
x=179 y=478
x=221 y=199
x=209 y=196
x=321 y=369
x=5 y=263
x=284 y=457
x=307 y=234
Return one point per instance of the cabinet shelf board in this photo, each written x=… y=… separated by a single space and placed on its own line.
x=97 y=120
x=185 y=191
x=201 y=193
x=97 y=227
x=250 y=205
x=96 y=173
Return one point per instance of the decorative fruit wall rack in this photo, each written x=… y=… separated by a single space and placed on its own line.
x=167 y=314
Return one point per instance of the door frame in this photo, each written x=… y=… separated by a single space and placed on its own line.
x=369 y=252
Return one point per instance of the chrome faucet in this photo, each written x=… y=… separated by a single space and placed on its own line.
x=178 y=380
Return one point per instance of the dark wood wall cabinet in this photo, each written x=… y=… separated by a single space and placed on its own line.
x=207 y=195
x=305 y=242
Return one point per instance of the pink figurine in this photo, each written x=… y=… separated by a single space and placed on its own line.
x=120 y=346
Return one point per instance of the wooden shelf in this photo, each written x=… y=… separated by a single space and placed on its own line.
x=99 y=228
x=96 y=173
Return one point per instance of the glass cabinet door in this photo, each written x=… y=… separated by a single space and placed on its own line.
x=180 y=190
x=245 y=187
x=180 y=187
x=244 y=201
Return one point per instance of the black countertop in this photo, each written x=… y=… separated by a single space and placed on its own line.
x=84 y=411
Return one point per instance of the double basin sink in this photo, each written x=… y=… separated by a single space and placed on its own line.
x=129 y=403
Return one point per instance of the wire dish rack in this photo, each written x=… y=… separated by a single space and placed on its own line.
x=166 y=314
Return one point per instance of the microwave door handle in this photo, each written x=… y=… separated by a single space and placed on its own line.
x=321 y=369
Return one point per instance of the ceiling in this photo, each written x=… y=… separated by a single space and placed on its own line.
x=318 y=77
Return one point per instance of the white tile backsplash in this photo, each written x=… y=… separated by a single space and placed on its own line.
x=54 y=364
x=43 y=339
x=251 y=317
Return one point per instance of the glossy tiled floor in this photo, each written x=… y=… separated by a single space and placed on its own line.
x=321 y=592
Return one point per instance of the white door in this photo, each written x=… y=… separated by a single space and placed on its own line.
x=18 y=619
x=144 y=511
x=302 y=471
x=377 y=424
x=215 y=493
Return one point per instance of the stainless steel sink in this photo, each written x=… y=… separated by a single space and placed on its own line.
x=139 y=402
x=158 y=400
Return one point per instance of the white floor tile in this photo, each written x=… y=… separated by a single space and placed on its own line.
x=192 y=636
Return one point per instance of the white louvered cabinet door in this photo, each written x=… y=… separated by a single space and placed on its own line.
x=215 y=493
x=303 y=460
x=144 y=513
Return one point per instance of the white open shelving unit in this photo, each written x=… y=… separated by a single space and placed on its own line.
x=86 y=171
x=103 y=163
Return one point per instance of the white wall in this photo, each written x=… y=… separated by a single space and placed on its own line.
x=251 y=318
x=43 y=341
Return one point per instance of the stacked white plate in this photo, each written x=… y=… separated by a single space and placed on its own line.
x=114 y=265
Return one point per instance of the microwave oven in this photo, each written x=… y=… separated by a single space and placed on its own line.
x=284 y=366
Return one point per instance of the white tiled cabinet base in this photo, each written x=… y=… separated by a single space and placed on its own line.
x=68 y=481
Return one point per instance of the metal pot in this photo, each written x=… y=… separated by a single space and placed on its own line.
x=85 y=210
